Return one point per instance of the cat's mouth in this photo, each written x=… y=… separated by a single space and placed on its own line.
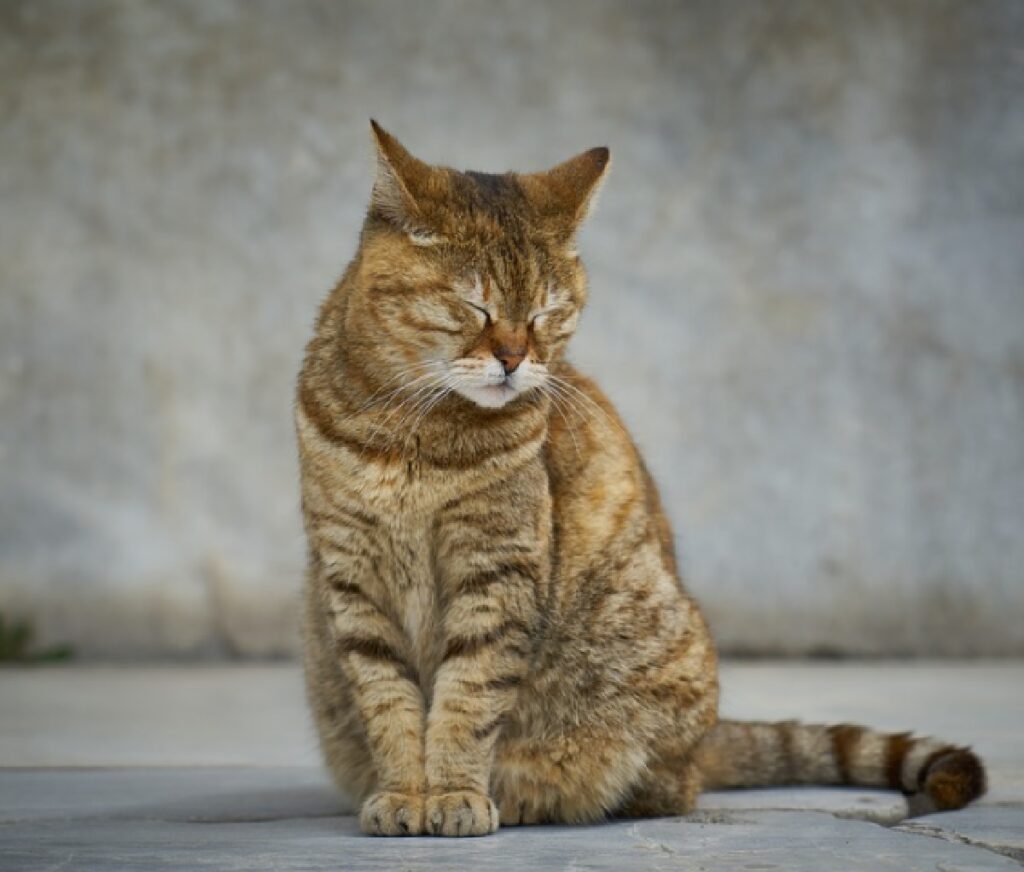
x=492 y=396
x=490 y=388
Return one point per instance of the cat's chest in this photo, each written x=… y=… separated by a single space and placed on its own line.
x=412 y=588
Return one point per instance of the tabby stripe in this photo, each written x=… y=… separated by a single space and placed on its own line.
x=481 y=529
x=895 y=753
x=427 y=327
x=502 y=682
x=326 y=425
x=466 y=461
x=476 y=521
x=331 y=549
x=844 y=739
x=453 y=707
x=378 y=650
x=386 y=707
x=506 y=552
x=962 y=778
x=510 y=548
x=485 y=730
x=325 y=518
x=484 y=608
x=504 y=571
x=350 y=536
x=465 y=646
x=318 y=414
x=351 y=513
x=341 y=585
x=922 y=773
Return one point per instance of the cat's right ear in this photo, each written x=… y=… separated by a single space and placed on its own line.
x=400 y=182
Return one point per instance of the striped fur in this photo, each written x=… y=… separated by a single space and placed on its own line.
x=743 y=754
x=495 y=630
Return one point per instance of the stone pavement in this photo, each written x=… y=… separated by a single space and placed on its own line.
x=215 y=768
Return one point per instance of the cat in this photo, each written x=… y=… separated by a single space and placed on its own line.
x=495 y=631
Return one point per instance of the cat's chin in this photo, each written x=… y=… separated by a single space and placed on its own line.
x=488 y=396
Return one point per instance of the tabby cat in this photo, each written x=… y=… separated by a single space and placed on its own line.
x=495 y=629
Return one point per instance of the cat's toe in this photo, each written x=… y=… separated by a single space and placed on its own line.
x=517 y=811
x=392 y=814
x=462 y=813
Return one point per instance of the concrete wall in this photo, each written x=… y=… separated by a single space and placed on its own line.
x=807 y=283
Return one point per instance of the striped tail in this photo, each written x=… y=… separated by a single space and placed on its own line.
x=938 y=776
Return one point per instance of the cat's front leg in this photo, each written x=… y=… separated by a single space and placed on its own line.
x=493 y=556
x=474 y=688
x=373 y=653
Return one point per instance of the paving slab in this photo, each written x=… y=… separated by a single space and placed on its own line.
x=255 y=715
x=200 y=794
x=216 y=768
x=999 y=828
x=241 y=794
x=748 y=840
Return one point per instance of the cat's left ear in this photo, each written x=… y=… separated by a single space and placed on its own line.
x=565 y=195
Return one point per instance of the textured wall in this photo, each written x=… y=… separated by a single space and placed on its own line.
x=807 y=293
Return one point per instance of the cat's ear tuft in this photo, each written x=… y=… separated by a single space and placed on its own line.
x=400 y=180
x=567 y=193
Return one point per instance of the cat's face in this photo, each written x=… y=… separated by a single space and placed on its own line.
x=482 y=317
x=514 y=335
x=470 y=282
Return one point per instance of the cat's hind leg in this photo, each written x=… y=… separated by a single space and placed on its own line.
x=669 y=786
x=578 y=777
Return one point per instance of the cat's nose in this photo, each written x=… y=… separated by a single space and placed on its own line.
x=510 y=360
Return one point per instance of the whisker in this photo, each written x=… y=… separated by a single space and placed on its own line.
x=445 y=390
x=570 y=402
x=405 y=372
x=423 y=399
x=558 y=403
x=413 y=400
x=589 y=402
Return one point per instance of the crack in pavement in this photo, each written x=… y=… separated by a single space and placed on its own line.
x=1015 y=854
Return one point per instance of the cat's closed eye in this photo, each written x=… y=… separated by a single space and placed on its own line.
x=481 y=310
x=539 y=318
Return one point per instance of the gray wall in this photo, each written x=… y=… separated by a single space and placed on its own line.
x=807 y=293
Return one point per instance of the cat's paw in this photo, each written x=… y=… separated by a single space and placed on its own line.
x=462 y=813
x=392 y=814
x=518 y=811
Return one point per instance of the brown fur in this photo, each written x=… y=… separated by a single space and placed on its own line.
x=495 y=627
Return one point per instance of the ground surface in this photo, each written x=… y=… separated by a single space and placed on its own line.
x=215 y=768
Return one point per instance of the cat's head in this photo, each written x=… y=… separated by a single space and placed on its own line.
x=470 y=281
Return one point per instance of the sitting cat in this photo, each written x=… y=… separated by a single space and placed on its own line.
x=495 y=629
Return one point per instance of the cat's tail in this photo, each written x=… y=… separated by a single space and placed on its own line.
x=936 y=774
